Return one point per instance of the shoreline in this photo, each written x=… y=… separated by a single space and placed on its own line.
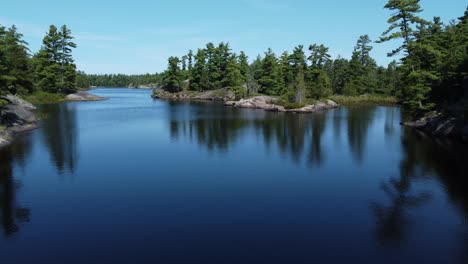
x=22 y=119
x=264 y=102
x=440 y=126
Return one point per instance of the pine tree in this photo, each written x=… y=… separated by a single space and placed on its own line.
x=3 y=64
x=173 y=75
x=319 y=82
x=417 y=80
x=269 y=82
x=233 y=76
x=362 y=69
x=244 y=66
x=200 y=78
x=339 y=75
x=68 y=68
x=54 y=68
x=16 y=74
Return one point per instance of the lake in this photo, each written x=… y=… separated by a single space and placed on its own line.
x=137 y=180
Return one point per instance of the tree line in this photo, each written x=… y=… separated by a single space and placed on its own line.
x=117 y=80
x=431 y=73
x=51 y=69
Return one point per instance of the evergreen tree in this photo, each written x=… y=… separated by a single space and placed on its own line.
x=200 y=77
x=269 y=82
x=54 y=68
x=319 y=81
x=339 y=75
x=3 y=65
x=233 y=76
x=362 y=69
x=173 y=75
x=417 y=81
x=244 y=67
x=68 y=68
x=16 y=76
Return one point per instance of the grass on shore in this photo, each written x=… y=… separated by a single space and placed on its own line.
x=2 y=127
x=41 y=97
x=364 y=99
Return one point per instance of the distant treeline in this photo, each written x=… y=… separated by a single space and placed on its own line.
x=118 y=80
x=432 y=72
x=51 y=69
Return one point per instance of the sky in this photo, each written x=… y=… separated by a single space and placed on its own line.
x=135 y=37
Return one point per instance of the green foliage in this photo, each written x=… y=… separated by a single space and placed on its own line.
x=15 y=73
x=54 y=68
x=42 y=97
x=290 y=105
x=173 y=76
x=365 y=99
x=120 y=80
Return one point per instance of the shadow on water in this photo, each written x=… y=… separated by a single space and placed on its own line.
x=424 y=158
x=11 y=213
x=60 y=134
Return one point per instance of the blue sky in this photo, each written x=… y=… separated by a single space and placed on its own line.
x=138 y=36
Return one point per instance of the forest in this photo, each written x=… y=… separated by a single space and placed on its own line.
x=51 y=69
x=431 y=73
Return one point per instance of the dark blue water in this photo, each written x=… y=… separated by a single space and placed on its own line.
x=137 y=180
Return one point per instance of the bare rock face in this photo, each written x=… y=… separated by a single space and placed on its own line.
x=16 y=115
x=83 y=96
x=15 y=100
x=268 y=103
x=331 y=104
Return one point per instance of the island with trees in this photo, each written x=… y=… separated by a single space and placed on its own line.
x=429 y=76
x=430 y=79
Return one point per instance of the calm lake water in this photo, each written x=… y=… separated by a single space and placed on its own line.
x=137 y=180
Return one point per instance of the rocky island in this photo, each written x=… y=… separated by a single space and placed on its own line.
x=83 y=96
x=267 y=103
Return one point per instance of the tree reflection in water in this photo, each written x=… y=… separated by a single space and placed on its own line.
x=430 y=159
x=60 y=134
x=12 y=214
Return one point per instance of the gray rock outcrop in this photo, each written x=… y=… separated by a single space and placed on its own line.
x=83 y=96
x=268 y=103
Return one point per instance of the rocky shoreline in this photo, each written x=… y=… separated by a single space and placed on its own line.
x=83 y=97
x=269 y=103
x=266 y=103
x=438 y=125
x=15 y=117
x=214 y=95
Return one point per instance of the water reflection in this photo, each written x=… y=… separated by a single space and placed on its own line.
x=12 y=214
x=359 y=120
x=216 y=129
x=424 y=159
x=60 y=135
